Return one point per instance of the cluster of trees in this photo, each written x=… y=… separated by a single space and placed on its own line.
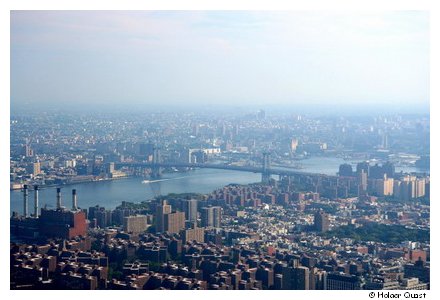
x=380 y=233
x=132 y=205
x=180 y=196
x=147 y=204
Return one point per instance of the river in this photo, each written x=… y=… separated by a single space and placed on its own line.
x=111 y=193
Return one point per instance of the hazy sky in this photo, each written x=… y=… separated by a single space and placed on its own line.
x=223 y=57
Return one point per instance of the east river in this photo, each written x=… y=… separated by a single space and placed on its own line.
x=111 y=193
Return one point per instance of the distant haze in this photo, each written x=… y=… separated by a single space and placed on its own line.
x=223 y=58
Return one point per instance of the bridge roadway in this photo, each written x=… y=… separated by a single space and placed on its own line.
x=272 y=171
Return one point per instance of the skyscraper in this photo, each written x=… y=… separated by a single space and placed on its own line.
x=174 y=222
x=341 y=281
x=385 y=186
x=211 y=216
x=217 y=216
x=190 y=209
x=296 y=278
x=161 y=210
x=36 y=168
x=135 y=224
x=321 y=221
x=362 y=181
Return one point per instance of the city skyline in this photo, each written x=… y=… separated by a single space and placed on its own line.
x=220 y=150
x=299 y=230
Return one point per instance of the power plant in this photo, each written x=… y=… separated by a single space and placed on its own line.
x=74 y=201
x=36 y=201
x=25 y=201
x=58 y=198
x=49 y=223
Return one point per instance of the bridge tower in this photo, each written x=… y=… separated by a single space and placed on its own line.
x=156 y=170
x=265 y=174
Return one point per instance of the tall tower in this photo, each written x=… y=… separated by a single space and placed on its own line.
x=296 y=278
x=25 y=201
x=156 y=171
x=58 y=198
x=211 y=216
x=36 y=201
x=321 y=221
x=161 y=210
x=362 y=182
x=217 y=214
x=190 y=209
x=265 y=175
x=385 y=141
x=74 y=200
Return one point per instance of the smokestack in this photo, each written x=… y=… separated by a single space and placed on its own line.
x=36 y=201
x=58 y=198
x=74 y=203
x=25 y=201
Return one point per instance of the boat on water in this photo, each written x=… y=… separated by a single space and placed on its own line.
x=152 y=181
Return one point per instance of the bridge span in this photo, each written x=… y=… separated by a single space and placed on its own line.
x=265 y=171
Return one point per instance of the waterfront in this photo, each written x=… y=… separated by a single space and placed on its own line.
x=111 y=193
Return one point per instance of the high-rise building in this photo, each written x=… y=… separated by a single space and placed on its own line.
x=396 y=189
x=161 y=210
x=168 y=221
x=174 y=222
x=384 y=141
x=193 y=234
x=135 y=224
x=362 y=181
x=321 y=221
x=409 y=187
x=420 y=188
x=296 y=278
x=385 y=186
x=217 y=216
x=36 y=168
x=211 y=216
x=206 y=215
x=99 y=216
x=190 y=209
x=266 y=276
x=103 y=218
x=341 y=281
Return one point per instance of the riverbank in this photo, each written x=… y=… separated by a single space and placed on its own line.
x=19 y=186
x=110 y=193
